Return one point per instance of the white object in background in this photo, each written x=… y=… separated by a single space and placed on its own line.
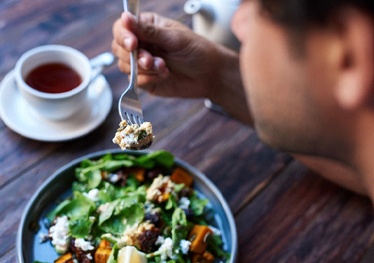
x=212 y=19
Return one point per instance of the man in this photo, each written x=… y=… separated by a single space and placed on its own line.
x=305 y=79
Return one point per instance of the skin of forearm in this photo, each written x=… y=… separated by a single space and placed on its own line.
x=227 y=89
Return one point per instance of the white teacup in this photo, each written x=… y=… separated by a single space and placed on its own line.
x=64 y=104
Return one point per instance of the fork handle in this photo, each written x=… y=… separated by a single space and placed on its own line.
x=132 y=6
x=134 y=68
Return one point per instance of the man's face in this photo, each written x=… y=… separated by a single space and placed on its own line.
x=290 y=106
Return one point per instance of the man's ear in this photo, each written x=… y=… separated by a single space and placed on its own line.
x=355 y=85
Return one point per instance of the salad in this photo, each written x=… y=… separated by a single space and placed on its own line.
x=126 y=208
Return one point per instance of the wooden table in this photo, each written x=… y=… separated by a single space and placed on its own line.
x=284 y=212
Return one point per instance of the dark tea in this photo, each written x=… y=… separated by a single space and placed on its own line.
x=53 y=78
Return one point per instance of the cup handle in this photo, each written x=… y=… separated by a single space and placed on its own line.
x=99 y=62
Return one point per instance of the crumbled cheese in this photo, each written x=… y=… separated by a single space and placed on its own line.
x=160 y=240
x=43 y=237
x=184 y=203
x=114 y=178
x=83 y=244
x=59 y=233
x=93 y=194
x=133 y=136
x=166 y=249
x=185 y=246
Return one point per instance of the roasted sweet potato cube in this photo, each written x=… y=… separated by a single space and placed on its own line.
x=181 y=176
x=103 y=251
x=197 y=237
x=104 y=244
x=206 y=257
x=65 y=258
x=102 y=255
x=139 y=173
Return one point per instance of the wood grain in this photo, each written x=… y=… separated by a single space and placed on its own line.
x=301 y=217
x=284 y=212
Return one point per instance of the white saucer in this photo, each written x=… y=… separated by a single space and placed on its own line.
x=17 y=115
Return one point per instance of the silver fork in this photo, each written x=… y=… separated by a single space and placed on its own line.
x=129 y=106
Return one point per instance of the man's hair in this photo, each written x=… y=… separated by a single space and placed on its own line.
x=299 y=14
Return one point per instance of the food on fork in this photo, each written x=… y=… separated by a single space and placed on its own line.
x=133 y=136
